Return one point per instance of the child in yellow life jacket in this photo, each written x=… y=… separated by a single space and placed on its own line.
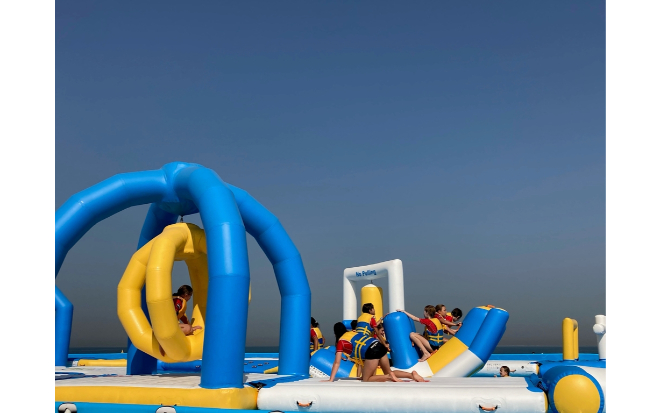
x=433 y=332
x=369 y=352
x=180 y=299
x=366 y=324
x=447 y=320
x=316 y=337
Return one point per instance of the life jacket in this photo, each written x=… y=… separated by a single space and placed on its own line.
x=319 y=336
x=182 y=311
x=364 y=325
x=360 y=344
x=435 y=339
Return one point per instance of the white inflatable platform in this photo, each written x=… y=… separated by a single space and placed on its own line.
x=440 y=395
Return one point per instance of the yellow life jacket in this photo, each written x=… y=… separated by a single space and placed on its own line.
x=360 y=344
x=435 y=339
x=319 y=336
x=364 y=325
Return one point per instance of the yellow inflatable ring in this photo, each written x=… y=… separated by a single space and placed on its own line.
x=152 y=264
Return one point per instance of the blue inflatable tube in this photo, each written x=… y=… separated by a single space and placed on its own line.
x=324 y=358
x=291 y=278
x=181 y=189
x=80 y=213
x=398 y=327
x=63 y=321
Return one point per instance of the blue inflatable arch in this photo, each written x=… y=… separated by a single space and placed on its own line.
x=227 y=213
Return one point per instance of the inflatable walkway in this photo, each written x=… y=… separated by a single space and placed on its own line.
x=463 y=355
x=439 y=395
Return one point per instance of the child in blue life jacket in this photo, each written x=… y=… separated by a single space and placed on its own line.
x=366 y=324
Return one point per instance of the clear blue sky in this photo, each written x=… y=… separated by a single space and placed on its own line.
x=466 y=139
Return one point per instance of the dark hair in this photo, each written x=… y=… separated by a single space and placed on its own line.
x=508 y=371
x=314 y=323
x=340 y=330
x=184 y=290
x=430 y=310
x=367 y=307
x=353 y=324
x=438 y=307
x=379 y=326
x=456 y=312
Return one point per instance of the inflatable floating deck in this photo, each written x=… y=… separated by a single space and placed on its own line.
x=165 y=371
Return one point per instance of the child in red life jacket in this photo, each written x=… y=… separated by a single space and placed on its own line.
x=369 y=352
x=180 y=299
x=433 y=332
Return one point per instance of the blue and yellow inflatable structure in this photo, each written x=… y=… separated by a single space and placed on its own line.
x=227 y=213
x=463 y=355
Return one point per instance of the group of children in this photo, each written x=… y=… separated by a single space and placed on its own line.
x=367 y=345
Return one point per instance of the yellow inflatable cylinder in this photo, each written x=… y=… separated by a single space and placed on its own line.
x=373 y=294
x=569 y=329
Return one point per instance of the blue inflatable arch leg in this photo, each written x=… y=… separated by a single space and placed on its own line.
x=291 y=279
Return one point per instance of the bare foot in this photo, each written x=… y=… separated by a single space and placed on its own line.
x=417 y=377
x=395 y=378
x=425 y=357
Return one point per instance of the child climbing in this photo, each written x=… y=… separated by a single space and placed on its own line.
x=180 y=299
x=447 y=320
x=434 y=332
x=366 y=324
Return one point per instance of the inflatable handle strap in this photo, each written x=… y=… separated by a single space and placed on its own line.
x=488 y=409
x=308 y=404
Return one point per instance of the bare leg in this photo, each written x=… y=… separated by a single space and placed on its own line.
x=369 y=370
x=359 y=371
x=425 y=342
x=417 y=339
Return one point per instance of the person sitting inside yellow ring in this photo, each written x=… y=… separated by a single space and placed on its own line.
x=181 y=298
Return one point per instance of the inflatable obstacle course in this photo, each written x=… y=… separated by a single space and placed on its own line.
x=166 y=371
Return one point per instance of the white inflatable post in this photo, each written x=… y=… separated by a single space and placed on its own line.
x=600 y=330
x=392 y=270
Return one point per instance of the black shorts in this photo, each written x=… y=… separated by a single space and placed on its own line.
x=434 y=347
x=376 y=351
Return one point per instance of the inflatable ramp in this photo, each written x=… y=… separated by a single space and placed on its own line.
x=463 y=355
x=440 y=395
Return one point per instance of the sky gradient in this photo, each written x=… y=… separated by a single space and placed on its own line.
x=467 y=140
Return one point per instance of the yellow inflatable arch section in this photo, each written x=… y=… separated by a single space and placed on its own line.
x=152 y=264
